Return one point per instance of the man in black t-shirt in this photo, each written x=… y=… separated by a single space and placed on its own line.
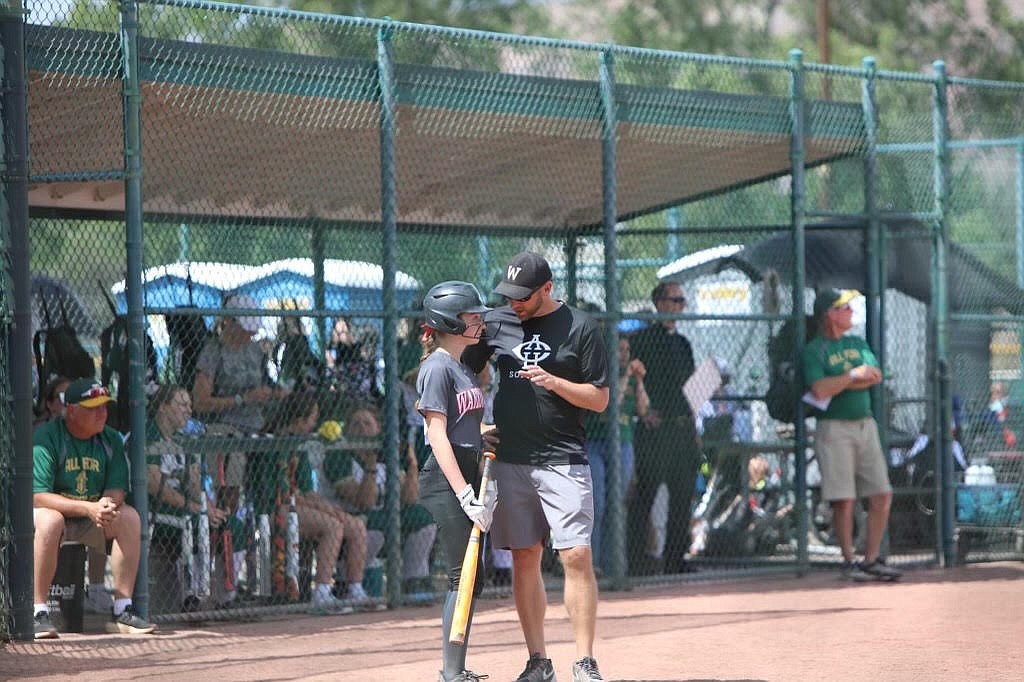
x=552 y=366
x=666 y=446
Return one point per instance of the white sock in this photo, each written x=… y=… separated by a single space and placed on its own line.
x=239 y=561
x=323 y=591
x=120 y=605
x=356 y=590
x=40 y=608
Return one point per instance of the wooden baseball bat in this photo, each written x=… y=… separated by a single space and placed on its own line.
x=467 y=579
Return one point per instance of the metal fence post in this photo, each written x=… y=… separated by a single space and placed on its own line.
x=388 y=216
x=1019 y=213
x=875 y=255
x=798 y=209
x=615 y=519
x=132 y=96
x=16 y=557
x=940 y=323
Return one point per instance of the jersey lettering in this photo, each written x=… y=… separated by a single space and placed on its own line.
x=78 y=464
x=845 y=358
x=469 y=399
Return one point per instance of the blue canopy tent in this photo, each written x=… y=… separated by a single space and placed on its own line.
x=352 y=288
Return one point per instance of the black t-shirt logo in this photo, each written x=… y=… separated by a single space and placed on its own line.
x=532 y=352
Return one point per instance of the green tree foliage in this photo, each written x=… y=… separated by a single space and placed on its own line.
x=733 y=27
x=520 y=16
x=977 y=39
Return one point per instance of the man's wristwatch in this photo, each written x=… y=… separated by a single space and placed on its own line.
x=239 y=400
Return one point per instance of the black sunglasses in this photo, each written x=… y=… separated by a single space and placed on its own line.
x=674 y=299
x=524 y=300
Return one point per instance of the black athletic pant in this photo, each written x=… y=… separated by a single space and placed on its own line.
x=453 y=528
x=669 y=455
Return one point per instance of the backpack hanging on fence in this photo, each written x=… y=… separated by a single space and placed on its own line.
x=785 y=387
x=58 y=351
x=187 y=334
x=114 y=359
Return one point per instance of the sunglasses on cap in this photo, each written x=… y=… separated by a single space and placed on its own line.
x=93 y=396
x=96 y=392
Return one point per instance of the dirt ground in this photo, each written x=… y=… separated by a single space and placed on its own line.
x=961 y=624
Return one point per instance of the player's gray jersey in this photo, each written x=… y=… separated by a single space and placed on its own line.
x=447 y=386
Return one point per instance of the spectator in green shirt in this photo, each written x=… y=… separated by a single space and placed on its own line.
x=839 y=370
x=79 y=483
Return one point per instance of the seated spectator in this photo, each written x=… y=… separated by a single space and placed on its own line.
x=51 y=402
x=359 y=478
x=997 y=418
x=411 y=420
x=350 y=365
x=231 y=386
x=97 y=599
x=230 y=394
x=79 y=481
x=175 y=498
x=290 y=473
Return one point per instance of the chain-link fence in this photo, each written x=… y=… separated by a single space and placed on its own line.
x=265 y=196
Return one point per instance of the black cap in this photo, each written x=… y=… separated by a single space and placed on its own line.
x=833 y=298
x=526 y=273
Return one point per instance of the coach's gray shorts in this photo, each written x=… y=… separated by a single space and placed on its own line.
x=535 y=501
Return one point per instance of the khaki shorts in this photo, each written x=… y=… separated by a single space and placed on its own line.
x=537 y=501
x=850 y=458
x=82 y=529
